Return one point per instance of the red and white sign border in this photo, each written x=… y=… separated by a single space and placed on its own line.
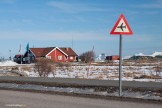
x=127 y=25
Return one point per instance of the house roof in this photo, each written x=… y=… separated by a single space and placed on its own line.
x=18 y=56
x=47 y=50
x=42 y=52
x=69 y=51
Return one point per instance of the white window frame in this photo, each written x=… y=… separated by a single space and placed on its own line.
x=60 y=57
x=48 y=57
x=71 y=58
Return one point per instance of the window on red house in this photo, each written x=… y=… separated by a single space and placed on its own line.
x=71 y=58
x=59 y=57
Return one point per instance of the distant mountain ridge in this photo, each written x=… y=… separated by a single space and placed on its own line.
x=141 y=54
x=156 y=54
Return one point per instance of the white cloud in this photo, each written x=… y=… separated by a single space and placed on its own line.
x=53 y=35
x=73 y=8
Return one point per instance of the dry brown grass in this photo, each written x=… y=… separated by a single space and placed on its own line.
x=101 y=76
x=158 y=94
x=29 y=69
x=147 y=77
x=128 y=74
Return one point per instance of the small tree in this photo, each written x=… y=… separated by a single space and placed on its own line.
x=87 y=56
x=44 y=67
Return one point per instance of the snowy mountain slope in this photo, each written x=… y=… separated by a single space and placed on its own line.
x=156 y=54
x=141 y=54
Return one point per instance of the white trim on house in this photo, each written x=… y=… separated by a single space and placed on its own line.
x=32 y=52
x=50 y=51
x=58 y=49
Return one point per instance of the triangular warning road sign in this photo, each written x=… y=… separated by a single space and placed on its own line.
x=121 y=27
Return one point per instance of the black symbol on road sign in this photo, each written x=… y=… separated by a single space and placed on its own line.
x=121 y=27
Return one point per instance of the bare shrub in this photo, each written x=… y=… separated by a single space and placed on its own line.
x=64 y=66
x=68 y=66
x=87 y=56
x=44 y=67
x=59 y=64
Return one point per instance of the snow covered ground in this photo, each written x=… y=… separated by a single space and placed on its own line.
x=129 y=73
x=8 y=63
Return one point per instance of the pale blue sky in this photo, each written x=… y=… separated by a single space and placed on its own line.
x=49 y=23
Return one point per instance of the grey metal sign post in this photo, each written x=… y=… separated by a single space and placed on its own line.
x=120 y=66
x=121 y=27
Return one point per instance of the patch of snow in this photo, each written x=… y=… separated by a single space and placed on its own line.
x=8 y=63
x=31 y=74
x=130 y=73
x=127 y=57
x=152 y=55
x=156 y=54
x=61 y=75
x=140 y=54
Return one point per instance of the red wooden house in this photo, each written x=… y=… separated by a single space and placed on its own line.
x=53 y=53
